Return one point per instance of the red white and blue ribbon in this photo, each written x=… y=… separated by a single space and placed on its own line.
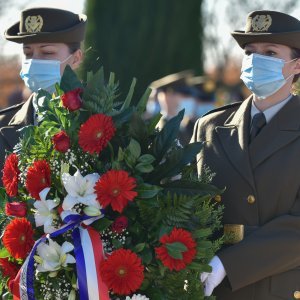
x=89 y=254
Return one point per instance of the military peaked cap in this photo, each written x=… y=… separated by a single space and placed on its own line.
x=269 y=26
x=43 y=24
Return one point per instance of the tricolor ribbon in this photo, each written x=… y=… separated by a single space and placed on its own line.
x=89 y=254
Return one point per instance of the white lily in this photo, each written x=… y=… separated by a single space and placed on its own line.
x=51 y=257
x=45 y=213
x=80 y=191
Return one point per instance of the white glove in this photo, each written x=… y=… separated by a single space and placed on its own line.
x=213 y=279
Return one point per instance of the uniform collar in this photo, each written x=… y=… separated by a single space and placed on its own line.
x=24 y=116
x=271 y=111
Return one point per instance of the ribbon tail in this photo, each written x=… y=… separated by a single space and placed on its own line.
x=99 y=258
x=16 y=286
x=89 y=255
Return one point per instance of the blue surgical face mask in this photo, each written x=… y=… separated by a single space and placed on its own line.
x=41 y=73
x=263 y=74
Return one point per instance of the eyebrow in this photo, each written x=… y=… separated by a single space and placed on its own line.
x=42 y=46
x=267 y=45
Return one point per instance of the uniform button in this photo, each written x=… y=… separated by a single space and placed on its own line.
x=296 y=295
x=218 y=198
x=251 y=199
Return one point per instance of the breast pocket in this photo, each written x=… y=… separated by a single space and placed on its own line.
x=286 y=285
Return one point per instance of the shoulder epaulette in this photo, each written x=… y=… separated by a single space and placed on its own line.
x=11 y=108
x=224 y=107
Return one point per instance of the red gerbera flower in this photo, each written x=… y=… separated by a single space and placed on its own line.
x=8 y=269
x=122 y=272
x=38 y=177
x=177 y=236
x=10 y=176
x=115 y=187
x=95 y=133
x=18 y=238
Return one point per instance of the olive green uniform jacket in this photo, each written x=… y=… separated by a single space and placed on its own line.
x=265 y=265
x=12 y=119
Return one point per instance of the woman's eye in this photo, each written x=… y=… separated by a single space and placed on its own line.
x=270 y=53
x=28 y=55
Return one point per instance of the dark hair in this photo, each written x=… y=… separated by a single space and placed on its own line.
x=73 y=47
x=295 y=54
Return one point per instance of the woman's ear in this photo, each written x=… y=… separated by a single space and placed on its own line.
x=297 y=66
x=77 y=59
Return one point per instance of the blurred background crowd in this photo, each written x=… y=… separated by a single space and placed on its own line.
x=181 y=49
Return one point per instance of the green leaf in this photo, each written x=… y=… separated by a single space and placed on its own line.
x=146 y=159
x=153 y=123
x=199 y=267
x=4 y=253
x=201 y=233
x=138 y=130
x=3 y=195
x=123 y=117
x=144 y=168
x=175 y=162
x=146 y=255
x=120 y=154
x=175 y=249
x=95 y=80
x=102 y=224
x=165 y=138
x=69 y=80
x=134 y=148
x=146 y=191
x=192 y=188
x=129 y=158
x=165 y=230
x=139 y=247
x=111 y=80
x=129 y=95
x=141 y=106
x=204 y=244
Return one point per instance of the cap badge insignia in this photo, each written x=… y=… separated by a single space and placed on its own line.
x=261 y=22
x=34 y=24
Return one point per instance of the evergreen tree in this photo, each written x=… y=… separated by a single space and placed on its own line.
x=144 y=39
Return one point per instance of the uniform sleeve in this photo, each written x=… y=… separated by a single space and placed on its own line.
x=273 y=248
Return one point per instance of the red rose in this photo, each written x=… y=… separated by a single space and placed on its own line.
x=16 y=209
x=71 y=100
x=61 y=141
x=119 y=224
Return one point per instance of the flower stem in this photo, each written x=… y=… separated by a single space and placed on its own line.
x=112 y=154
